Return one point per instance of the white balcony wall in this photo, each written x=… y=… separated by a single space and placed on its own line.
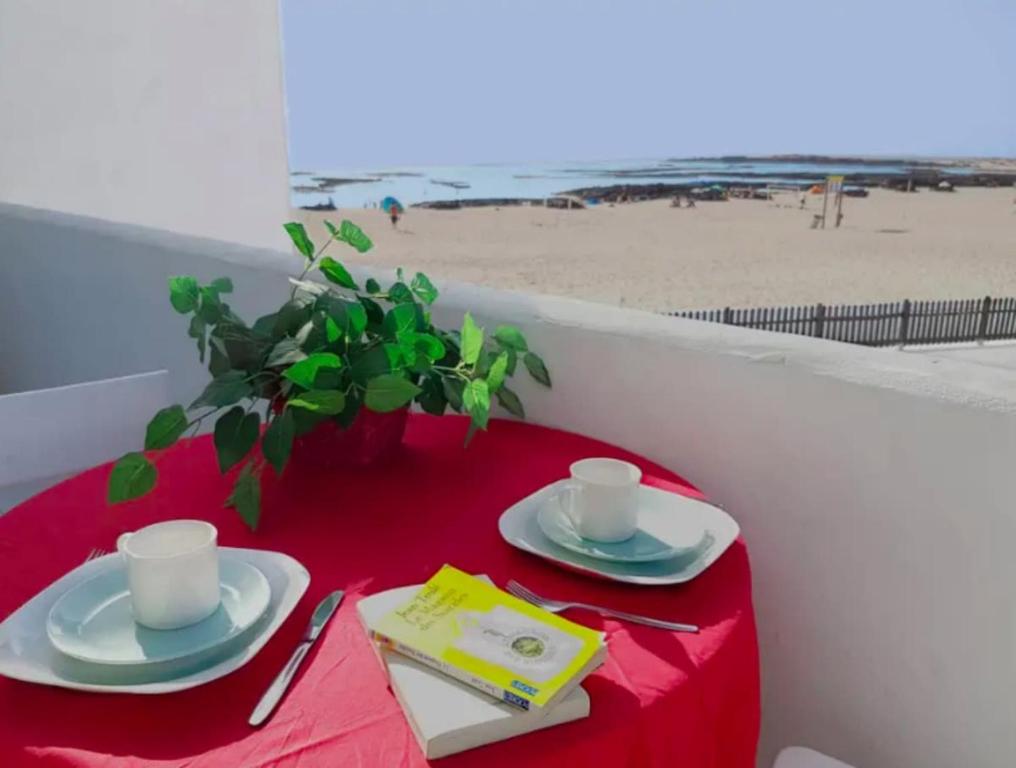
x=875 y=489
x=167 y=114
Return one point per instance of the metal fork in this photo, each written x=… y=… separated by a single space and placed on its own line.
x=96 y=553
x=556 y=606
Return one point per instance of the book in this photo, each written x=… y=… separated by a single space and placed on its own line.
x=446 y=716
x=469 y=629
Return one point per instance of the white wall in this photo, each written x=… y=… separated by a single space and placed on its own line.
x=875 y=489
x=167 y=113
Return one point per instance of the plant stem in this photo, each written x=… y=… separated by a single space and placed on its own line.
x=310 y=264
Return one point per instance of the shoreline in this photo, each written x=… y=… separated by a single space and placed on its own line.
x=659 y=181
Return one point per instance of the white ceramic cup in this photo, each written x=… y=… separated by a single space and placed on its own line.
x=604 y=499
x=172 y=572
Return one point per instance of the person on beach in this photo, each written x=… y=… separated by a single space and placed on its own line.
x=393 y=212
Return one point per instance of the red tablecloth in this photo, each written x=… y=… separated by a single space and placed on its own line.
x=661 y=699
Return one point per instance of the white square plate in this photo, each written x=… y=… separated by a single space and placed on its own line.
x=27 y=654
x=519 y=527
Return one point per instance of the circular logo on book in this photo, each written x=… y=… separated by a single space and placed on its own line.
x=528 y=646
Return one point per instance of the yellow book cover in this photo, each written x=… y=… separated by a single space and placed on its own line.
x=504 y=646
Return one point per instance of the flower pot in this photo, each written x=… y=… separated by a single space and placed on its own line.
x=371 y=439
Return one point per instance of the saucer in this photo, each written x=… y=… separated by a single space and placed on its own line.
x=661 y=533
x=520 y=528
x=93 y=622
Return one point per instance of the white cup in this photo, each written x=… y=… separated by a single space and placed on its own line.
x=172 y=573
x=604 y=499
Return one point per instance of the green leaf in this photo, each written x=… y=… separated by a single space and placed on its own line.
x=183 y=293
x=222 y=285
x=312 y=336
x=372 y=285
x=329 y=378
x=400 y=319
x=399 y=293
x=291 y=317
x=511 y=337
x=211 y=308
x=218 y=361
x=132 y=476
x=510 y=402
x=337 y=273
x=498 y=369
x=357 y=316
x=332 y=331
x=373 y=362
x=265 y=324
x=536 y=368
x=165 y=428
x=513 y=359
x=429 y=345
x=375 y=315
x=229 y=388
x=286 y=352
x=423 y=288
x=389 y=392
x=246 y=496
x=298 y=235
x=332 y=229
x=196 y=330
x=432 y=397
x=349 y=316
x=242 y=346
x=472 y=340
x=277 y=442
x=197 y=327
x=305 y=371
x=453 y=392
x=476 y=399
x=305 y=421
x=483 y=363
x=327 y=402
x=352 y=234
x=235 y=435
x=406 y=349
x=394 y=354
x=348 y=414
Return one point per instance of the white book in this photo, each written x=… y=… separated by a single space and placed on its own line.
x=447 y=716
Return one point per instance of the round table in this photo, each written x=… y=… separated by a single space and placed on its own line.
x=661 y=698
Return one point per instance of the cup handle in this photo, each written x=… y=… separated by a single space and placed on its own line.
x=573 y=489
x=121 y=541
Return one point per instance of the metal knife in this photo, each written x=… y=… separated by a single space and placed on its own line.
x=280 y=684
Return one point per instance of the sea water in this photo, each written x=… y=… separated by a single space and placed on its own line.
x=417 y=184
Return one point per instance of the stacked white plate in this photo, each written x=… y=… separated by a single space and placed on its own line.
x=79 y=632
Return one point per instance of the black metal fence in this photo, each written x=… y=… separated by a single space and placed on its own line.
x=879 y=325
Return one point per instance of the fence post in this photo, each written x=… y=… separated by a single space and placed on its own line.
x=726 y=316
x=905 y=322
x=819 y=329
x=982 y=331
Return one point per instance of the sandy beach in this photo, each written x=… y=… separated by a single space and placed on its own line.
x=739 y=253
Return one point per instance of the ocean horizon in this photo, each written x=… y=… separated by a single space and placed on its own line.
x=411 y=184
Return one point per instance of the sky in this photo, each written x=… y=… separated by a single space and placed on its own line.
x=388 y=83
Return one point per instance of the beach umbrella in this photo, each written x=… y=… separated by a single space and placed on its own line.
x=389 y=203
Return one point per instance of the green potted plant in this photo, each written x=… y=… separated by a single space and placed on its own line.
x=329 y=377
